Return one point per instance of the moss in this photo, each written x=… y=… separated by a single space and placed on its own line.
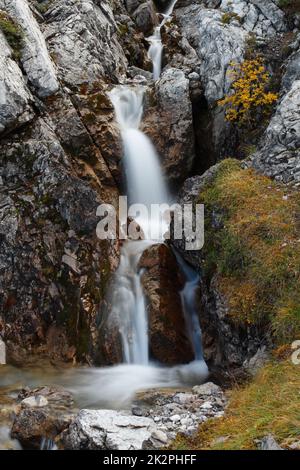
x=13 y=34
x=230 y=16
x=270 y=404
x=255 y=252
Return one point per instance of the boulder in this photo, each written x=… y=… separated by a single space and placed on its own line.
x=168 y=338
x=45 y=412
x=145 y=17
x=107 y=430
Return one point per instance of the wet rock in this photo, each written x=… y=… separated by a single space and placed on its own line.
x=44 y=413
x=58 y=203
x=37 y=401
x=145 y=17
x=15 y=109
x=169 y=123
x=169 y=343
x=35 y=58
x=6 y=442
x=107 y=430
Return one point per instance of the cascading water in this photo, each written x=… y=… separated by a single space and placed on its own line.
x=112 y=387
x=156 y=45
x=145 y=185
x=189 y=304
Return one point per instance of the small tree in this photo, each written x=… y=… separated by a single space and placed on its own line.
x=250 y=95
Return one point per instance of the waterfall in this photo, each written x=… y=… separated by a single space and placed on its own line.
x=189 y=304
x=145 y=185
x=156 y=45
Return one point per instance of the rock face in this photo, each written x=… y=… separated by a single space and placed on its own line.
x=54 y=174
x=279 y=155
x=35 y=58
x=107 y=430
x=220 y=36
x=82 y=38
x=169 y=342
x=169 y=123
x=15 y=98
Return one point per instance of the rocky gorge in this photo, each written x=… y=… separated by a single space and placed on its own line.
x=61 y=156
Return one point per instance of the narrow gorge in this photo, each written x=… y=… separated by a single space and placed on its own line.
x=133 y=341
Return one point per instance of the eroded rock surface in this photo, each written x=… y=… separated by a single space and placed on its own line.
x=168 y=338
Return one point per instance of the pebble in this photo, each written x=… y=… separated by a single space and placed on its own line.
x=175 y=418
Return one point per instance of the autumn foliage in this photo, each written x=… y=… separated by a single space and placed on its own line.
x=250 y=96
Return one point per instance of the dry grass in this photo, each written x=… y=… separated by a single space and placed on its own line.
x=270 y=404
x=256 y=253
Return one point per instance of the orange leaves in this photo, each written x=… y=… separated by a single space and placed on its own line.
x=250 y=81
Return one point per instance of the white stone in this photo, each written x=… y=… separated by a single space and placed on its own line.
x=206 y=406
x=107 y=429
x=37 y=401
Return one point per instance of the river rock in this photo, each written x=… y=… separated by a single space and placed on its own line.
x=256 y=362
x=45 y=412
x=207 y=389
x=107 y=430
x=169 y=342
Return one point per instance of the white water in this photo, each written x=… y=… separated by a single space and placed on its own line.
x=146 y=186
x=156 y=45
x=128 y=305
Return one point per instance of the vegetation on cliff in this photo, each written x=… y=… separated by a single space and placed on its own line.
x=250 y=92
x=12 y=32
x=254 y=248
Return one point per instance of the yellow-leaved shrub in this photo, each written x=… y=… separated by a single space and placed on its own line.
x=250 y=95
